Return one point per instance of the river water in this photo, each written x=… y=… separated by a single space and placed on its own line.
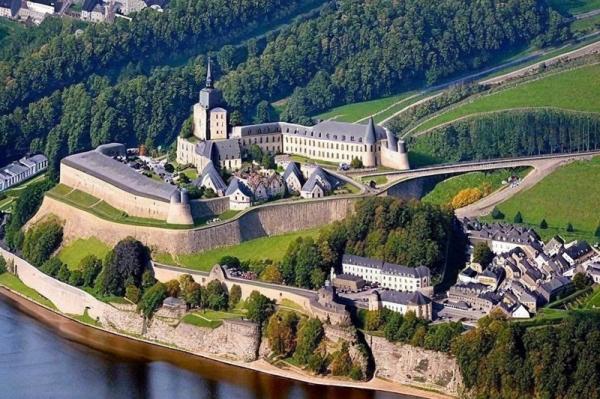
x=37 y=362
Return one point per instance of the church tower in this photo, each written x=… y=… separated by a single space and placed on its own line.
x=210 y=119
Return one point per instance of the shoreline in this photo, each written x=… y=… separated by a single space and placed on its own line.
x=61 y=324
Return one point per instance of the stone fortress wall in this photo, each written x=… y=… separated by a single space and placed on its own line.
x=260 y=221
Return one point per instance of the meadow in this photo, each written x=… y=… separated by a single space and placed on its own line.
x=577 y=90
x=75 y=251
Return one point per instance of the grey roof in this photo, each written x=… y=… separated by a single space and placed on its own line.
x=502 y=232
x=173 y=302
x=13 y=5
x=349 y=277
x=320 y=177
x=579 y=249
x=404 y=298
x=89 y=5
x=112 y=149
x=38 y=158
x=555 y=284
x=370 y=136
x=292 y=168
x=119 y=175
x=388 y=268
x=236 y=184
x=15 y=168
x=219 y=149
x=213 y=174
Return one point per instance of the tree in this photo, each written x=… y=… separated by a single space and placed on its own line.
x=148 y=279
x=152 y=299
x=580 y=281
x=2 y=265
x=543 y=224
x=310 y=334
x=90 y=267
x=341 y=362
x=133 y=293
x=41 y=240
x=268 y=161
x=255 y=153
x=440 y=336
x=235 y=295
x=271 y=274
x=185 y=284
x=216 y=295
x=281 y=332
x=597 y=232
x=518 y=218
x=64 y=273
x=356 y=163
x=194 y=295
x=173 y=288
x=76 y=278
x=497 y=214
x=127 y=262
x=570 y=228
x=466 y=197
x=264 y=112
x=482 y=254
x=392 y=327
x=259 y=307
x=52 y=266
x=230 y=261
x=373 y=320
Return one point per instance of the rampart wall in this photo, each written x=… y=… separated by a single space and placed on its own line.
x=261 y=221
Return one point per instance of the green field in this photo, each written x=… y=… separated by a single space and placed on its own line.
x=568 y=195
x=574 y=6
x=210 y=318
x=13 y=283
x=587 y=25
x=444 y=191
x=577 y=90
x=14 y=192
x=358 y=111
x=273 y=248
x=73 y=253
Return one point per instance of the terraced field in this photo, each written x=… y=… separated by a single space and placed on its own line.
x=577 y=90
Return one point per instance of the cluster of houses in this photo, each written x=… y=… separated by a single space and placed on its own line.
x=524 y=274
x=21 y=170
x=398 y=288
x=257 y=185
x=36 y=11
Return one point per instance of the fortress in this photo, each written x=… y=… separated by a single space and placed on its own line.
x=329 y=141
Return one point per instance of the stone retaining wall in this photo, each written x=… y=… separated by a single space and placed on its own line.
x=258 y=222
x=410 y=365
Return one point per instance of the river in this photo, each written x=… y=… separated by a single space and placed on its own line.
x=37 y=361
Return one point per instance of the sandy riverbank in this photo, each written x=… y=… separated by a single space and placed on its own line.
x=126 y=345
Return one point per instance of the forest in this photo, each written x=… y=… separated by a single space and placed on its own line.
x=511 y=134
x=501 y=359
x=77 y=91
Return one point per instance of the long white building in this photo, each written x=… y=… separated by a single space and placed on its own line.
x=22 y=170
x=387 y=275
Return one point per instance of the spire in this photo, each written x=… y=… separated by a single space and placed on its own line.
x=208 y=76
x=370 y=136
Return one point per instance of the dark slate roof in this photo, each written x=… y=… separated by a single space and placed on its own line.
x=370 y=136
x=317 y=177
x=119 y=175
x=555 y=284
x=38 y=158
x=292 y=168
x=223 y=149
x=13 y=5
x=404 y=298
x=349 y=277
x=579 y=249
x=213 y=174
x=502 y=232
x=235 y=184
x=88 y=5
x=347 y=132
x=173 y=302
x=15 y=168
x=388 y=268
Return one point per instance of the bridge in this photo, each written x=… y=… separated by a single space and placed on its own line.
x=542 y=166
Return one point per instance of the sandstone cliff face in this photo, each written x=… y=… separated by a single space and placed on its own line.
x=236 y=340
x=415 y=366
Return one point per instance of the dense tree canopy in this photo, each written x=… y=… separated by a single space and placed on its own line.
x=123 y=266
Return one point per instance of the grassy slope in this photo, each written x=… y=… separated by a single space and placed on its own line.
x=12 y=282
x=577 y=90
x=357 y=111
x=570 y=194
x=444 y=191
x=574 y=6
x=73 y=253
x=273 y=248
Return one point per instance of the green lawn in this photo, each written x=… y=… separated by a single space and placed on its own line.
x=357 y=111
x=569 y=195
x=593 y=301
x=86 y=319
x=273 y=248
x=444 y=191
x=191 y=173
x=587 y=25
x=379 y=180
x=210 y=318
x=15 y=192
x=12 y=282
x=577 y=90
x=73 y=253
x=574 y=6
x=301 y=159
x=348 y=188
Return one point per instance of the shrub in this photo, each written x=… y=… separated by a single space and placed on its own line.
x=132 y=293
x=466 y=197
x=356 y=373
x=543 y=224
x=317 y=363
x=497 y=214
x=2 y=265
x=230 y=261
x=76 y=278
x=356 y=163
x=148 y=279
x=570 y=228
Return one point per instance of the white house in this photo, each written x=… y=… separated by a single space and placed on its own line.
x=22 y=170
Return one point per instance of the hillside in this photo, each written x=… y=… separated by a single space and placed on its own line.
x=577 y=90
x=569 y=195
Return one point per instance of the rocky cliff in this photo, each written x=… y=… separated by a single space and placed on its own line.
x=415 y=366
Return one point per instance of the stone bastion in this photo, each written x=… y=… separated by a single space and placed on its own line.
x=256 y=222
